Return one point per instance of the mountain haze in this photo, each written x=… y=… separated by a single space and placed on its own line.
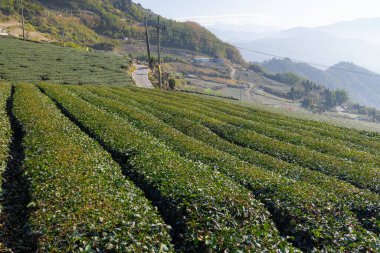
x=362 y=84
x=356 y=41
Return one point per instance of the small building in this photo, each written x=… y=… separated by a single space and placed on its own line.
x=3 y=32
x=219 y=61
x=202 y=60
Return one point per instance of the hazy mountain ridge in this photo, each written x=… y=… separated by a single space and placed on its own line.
x=362 y=84
x=366 y=29
x=355 y=41
x=316 y=47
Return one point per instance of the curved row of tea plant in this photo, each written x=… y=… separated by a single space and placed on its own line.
x=310 y=124
x=361 y=140
x=318 y=130
x=208 y=211
x=319 y=144
x=256 y=122
x=361 y=176
x=364 y=203
x=321 y=131
x=80 y=199
x=5 y=129
x=288 y=200
x=5 y=138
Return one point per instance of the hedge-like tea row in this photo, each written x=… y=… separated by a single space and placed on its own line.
x=288 y=200
x=208 y=211
x=364 y=203
x=356 y=139
x=361 y=176
x=257 y=124
x=319 y=144
x=5 y=129
x=322 y=137
x=5 y=137
x=346 y=136
x=80 y=199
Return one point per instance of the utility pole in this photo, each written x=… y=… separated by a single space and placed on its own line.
x=22 y=19
x=147 y=41
x=63 y=36
x=159 y=52
x=374 y=116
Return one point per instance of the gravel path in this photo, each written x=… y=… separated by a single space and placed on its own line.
x=140 y=76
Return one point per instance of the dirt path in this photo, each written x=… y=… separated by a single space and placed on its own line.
x=233 y=73
x=13 y=28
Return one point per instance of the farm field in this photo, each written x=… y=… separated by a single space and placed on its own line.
x=123 y=169
x=24 y=61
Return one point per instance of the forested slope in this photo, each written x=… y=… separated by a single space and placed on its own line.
x=82 y=20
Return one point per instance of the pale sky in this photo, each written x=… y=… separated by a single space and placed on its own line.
x=277 y=13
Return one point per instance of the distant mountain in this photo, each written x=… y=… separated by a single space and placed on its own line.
x=89 y=22
x=242 y=33
x=362 y=84
x=355 y=41
x=316 y=47
x=364 y=29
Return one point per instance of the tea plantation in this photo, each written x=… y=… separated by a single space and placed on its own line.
x=23 y=61
x=106 y=167
x=123 y=169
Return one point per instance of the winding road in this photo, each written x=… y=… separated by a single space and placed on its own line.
x=140 y=76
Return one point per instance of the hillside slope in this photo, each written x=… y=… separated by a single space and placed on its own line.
x=86 y=22
x=23 y=61
x=363 y=85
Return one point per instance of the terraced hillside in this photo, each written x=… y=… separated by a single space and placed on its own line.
x=122 y=169
x=22 y=61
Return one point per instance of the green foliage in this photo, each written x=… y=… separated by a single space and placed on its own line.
x=5 y=138
x=257 y=68
x=8 y=6
x=288 y=78
x=208 y=211
x=22 y=61
x=213 y=169
x=172 y=83
x=341 y=96
x=268 y=187
x=119 y=19
x=80 y=199
x=362 y=176
x=361 y=83
x=364 y=110
x=312 y=95
x=5 y=131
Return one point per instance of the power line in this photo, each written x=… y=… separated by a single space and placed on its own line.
x=22 y=19
x=295 y=60
x=289 y=51
x=310 y=63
